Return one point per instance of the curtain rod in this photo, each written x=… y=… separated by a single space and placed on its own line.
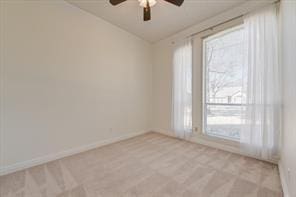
x=222 y=23
x=214 y=26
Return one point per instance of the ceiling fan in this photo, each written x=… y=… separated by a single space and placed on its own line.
x=147 y=4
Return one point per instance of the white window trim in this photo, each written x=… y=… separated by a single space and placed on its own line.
x=204 y=103
x=198 y=84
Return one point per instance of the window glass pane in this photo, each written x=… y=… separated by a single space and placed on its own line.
x=223 y=64
x=224 y=120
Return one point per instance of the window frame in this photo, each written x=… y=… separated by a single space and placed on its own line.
x=205 y=104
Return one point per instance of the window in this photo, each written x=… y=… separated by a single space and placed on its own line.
x=222 y=92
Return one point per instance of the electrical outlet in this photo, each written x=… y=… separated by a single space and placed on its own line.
x=293 y=181
x=196 y=130
x=289 y=175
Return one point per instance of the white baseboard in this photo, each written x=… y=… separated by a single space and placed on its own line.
x=213 y=143
x=283 y=180
x=41 y=160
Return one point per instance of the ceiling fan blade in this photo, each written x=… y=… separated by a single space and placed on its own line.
x=116 y=2
x=147 y=13
x=176 y=2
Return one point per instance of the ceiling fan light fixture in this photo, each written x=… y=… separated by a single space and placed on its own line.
x=143 y=3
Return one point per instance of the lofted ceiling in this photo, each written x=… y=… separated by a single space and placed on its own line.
x=167 y=19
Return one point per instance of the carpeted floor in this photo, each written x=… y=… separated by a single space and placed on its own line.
x=147 y=165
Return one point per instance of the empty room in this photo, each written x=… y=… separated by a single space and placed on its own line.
x=147 y=98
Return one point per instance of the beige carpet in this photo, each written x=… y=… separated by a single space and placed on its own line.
x=147 y=165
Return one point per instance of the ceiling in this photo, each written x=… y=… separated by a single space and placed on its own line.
x=167 y=19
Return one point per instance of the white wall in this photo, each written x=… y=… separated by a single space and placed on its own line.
x=67 y=77
x=288 y=158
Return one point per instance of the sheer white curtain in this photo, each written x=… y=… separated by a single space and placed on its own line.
x=182 y=89
x=260 y=133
